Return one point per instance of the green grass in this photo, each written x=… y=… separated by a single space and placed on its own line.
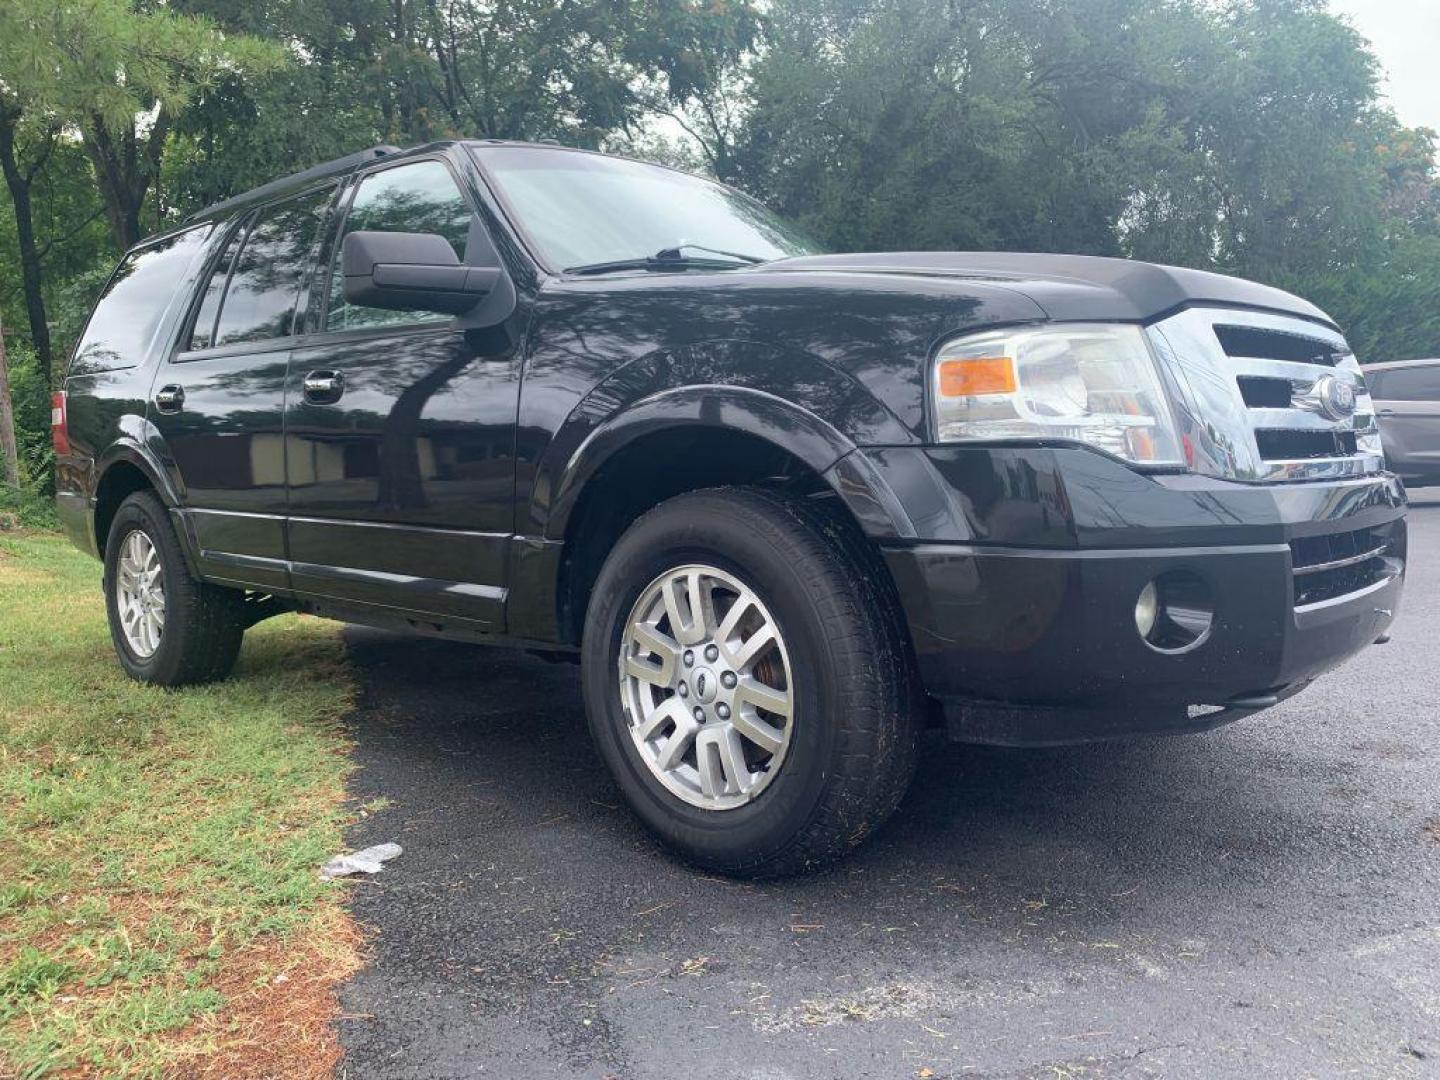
x=158 y=849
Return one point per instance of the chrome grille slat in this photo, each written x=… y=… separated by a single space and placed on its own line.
x=1267 y=443
x=1300 y=420
x=1336 y=564
x=1283 y=369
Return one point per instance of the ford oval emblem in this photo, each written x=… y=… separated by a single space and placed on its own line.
x=1336 y=397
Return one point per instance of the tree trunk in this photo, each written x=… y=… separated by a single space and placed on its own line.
x=114 y=181
x=124 y=170
x=19 y=182
x=8 y=448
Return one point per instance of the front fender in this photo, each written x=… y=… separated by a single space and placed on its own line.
x=783 y=397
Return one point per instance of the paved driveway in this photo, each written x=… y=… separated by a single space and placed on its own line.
x=1261 y=900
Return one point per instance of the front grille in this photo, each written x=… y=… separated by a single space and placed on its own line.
x=1265 y=344
x=1267 y=398
x=1262 y=392
x=1334 y=565
x=1297 y=444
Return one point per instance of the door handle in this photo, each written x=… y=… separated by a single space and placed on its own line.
x=1385 y=412
x=170 y=399
x=323 y=387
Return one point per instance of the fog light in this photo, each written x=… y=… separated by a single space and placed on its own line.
x=1175 y=612
x=1146 y=608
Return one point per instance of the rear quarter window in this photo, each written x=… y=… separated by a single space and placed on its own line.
x=1419 y=383
x=122 y=327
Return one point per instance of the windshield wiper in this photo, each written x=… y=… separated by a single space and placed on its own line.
x=677 y=252
x=671 y=258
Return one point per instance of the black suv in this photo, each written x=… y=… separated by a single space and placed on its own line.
x=785 y=507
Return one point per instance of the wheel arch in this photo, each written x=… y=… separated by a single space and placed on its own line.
x=699 y=437
x=124 y=469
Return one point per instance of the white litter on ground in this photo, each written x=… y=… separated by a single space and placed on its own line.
x=368 y=860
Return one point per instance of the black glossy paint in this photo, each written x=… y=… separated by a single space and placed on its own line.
x=448 y=473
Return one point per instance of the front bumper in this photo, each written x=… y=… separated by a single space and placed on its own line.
x=1019 y=588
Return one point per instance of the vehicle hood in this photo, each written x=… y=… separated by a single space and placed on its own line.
x=1067 y=287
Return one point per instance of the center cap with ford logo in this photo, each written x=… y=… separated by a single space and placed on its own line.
x=706 y=685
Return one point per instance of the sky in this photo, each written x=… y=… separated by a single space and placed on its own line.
x=1405 y=35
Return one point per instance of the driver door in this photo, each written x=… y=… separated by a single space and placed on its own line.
x=399 y=432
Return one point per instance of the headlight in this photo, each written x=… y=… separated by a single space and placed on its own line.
x=1091 y=383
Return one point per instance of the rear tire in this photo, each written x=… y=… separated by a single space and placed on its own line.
x=185 y=631
x=845 y=753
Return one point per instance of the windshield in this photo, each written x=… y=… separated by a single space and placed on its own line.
x=582 y=209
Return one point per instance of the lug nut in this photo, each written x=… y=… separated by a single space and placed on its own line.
x=723 y=711
x=689 y=658
x=683 y=690
x=699 y=714
x=728 y=680
x=712 y=653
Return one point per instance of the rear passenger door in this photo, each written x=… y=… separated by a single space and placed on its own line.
x=400 y=430
x=219 y=402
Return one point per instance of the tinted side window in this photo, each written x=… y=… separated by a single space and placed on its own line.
x=1408 y=384
x=129 y=310
x=269 y=268
x=421 y=197
x=203 y=332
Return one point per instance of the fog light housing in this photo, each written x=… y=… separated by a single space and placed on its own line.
x=1147 y=608
x=1175 y=612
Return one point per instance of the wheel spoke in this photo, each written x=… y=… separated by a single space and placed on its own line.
x=763 y=735
x=690 y=624
x=673 y=749
x=744 y=656
x=726 y=630
x=764 y=697
x=720 y=761
x=661 y=673
x=657 y=674
x=671 y=710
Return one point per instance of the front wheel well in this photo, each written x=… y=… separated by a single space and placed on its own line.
x=121 y=480
x=667 y=463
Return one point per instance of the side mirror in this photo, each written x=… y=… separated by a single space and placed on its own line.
x=412 y=272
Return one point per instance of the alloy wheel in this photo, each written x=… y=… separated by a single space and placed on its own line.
x=140 y=594
x=706 y=685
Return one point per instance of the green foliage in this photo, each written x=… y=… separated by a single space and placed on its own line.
x=1243 y=136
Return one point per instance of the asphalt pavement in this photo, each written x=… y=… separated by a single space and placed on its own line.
x=1262 y=900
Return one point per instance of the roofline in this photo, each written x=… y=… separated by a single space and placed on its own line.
x=1393 y=365
x=323 y=171
x=349 y=162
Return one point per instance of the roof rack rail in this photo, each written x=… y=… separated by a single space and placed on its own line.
x=325 y=168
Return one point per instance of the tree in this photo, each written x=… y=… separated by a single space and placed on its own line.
x=9 y=450
x=119 y=74
x=1244 y=136
x=20 y=171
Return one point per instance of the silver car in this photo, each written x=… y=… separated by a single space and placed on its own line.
x=1407 y=401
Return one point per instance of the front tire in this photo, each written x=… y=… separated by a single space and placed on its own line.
x=747 y=683
x=168 y=628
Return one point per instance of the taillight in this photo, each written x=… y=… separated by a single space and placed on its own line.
x=59 y=424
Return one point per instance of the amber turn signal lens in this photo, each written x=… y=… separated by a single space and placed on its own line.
x=975 y=376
